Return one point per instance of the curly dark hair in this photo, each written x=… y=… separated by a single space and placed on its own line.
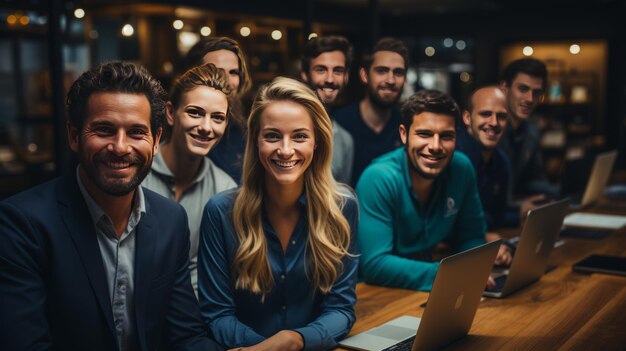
x=427 y=100
x=116 y=77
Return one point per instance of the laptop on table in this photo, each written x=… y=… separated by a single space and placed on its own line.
x=598 y=179
x=451 y=307
x=539 y=234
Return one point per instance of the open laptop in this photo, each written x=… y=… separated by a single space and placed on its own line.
x=450 y=310
x=598 y=179
x=539 y=234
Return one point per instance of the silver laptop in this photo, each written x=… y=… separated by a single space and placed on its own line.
x=540 y=232
x=449 y=312
x=598 y=179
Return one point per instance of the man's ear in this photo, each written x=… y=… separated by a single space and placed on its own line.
x=157 y=141
x=363 y=75
x=467 y=118
x=504 y=87
x=304 y=76
x=73 y=136
x=169 y=113
x=403 y=133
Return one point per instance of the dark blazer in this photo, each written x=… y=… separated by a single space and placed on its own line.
x=53 y=289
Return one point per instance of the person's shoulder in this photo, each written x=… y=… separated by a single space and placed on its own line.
x=347 y=193
x=349 y=204
x=387 y=168
x=36 y=199
x=459 y=159
x=388 y=164
x=460 y=164
x=222 y=179
x=223 y=201
x=502 y=158
x=341 y=131
x=346 y=113
x=158 y=203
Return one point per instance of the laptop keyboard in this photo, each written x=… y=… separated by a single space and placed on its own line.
x=404 y=345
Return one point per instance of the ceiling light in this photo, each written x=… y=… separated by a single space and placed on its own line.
x=527 y=50
x=205 y=31
x=79 y=13
x=128 y=30
x=276 y=34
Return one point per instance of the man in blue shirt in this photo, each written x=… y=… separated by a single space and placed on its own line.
x=413 y=198
x=373 y=122
x=484 y=122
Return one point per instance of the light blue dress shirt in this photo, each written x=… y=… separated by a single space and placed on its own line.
x=239 y=318
x=118 y=258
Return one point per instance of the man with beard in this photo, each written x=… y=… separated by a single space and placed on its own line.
x=484 y=122
x=91 y=261
x=415 y=197
x=524 y=82
x=373 y=122
x=325 y=67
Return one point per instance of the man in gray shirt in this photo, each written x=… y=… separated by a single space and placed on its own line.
x=326 y=67
x=90 y=260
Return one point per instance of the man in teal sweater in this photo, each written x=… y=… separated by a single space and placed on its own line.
x=417 y=196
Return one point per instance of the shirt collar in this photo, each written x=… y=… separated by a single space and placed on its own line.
x=159 y=166
x=97 y=212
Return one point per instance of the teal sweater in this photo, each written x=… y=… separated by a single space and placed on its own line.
x=395 y=230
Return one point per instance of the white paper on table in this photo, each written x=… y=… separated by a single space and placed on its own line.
x=594 y=220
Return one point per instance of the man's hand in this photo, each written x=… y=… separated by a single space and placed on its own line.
x=491 y=283
x=528 y=204
x=284 y=340
x=504 y=256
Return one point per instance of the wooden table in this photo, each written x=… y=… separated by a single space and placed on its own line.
x=565 y=310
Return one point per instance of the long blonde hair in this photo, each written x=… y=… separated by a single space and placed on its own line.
x=328 y=230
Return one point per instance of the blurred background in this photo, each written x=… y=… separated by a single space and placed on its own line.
x=455 y=46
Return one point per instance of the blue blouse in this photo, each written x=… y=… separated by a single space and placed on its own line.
x=239 y=318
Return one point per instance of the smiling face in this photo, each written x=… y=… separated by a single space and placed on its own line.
x=286 y=143
x=115 y=146
x=385 y=78
x=199 y=121
x=430 y=143
x=229 y=62
x=327 y=75
x=487 y=120
x=523 y=95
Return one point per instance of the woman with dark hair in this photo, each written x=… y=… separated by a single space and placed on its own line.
x=225 y=53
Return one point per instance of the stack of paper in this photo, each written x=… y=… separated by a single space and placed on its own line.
x=594 y=220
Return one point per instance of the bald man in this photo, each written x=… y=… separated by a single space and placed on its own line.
x=484 y=122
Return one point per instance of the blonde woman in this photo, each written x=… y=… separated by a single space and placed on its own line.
x=278 y=263
x=197 y=114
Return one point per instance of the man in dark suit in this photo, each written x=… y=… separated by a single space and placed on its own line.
x=91 y=261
